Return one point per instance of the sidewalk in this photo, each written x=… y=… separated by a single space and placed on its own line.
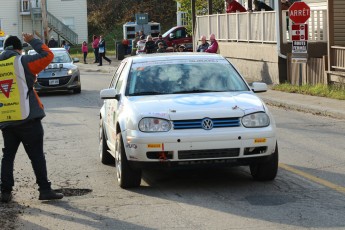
x=309 y=104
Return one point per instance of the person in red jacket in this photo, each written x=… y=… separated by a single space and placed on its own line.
x=233 y=6
x=213 y=48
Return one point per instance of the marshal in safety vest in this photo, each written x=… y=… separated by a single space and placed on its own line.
x=14 y=100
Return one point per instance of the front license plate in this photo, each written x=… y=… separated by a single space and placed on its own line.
x=54 y=82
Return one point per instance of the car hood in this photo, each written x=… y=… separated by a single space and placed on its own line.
x=196 y=106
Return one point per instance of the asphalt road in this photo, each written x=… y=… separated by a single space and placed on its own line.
x=308 y=193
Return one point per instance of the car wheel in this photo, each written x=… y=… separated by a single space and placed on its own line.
x=126 y=176
x=265 y=171
x=104 y=156
x=77 y=90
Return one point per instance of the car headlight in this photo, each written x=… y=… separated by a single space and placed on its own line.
x=256 y=120
x=70 y=71
x=154 y=125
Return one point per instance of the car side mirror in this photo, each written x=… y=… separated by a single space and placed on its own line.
x=259 y=87
x=109 y=94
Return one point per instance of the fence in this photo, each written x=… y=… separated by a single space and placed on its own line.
x=258 y=27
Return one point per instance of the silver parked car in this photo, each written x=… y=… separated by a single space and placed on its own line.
x=60 y=74
x=184 y=110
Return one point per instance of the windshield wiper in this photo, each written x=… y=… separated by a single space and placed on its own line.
x=146 y=93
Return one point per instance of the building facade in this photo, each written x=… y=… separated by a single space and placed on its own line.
x=67 y=19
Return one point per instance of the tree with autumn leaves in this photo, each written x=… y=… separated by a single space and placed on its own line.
x=105 y=16
x=108 y=16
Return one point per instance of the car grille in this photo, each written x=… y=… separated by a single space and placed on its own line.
x=197 y=123
x=62 y=81
x=208 y=153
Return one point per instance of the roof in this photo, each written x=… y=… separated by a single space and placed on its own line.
x=174 y=55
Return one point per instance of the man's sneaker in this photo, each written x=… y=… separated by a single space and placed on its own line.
x=6 y=197
x=50 y=195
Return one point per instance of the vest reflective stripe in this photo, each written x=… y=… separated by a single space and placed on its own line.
x=14 y=100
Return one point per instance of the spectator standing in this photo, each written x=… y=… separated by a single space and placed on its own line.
x=125 y=44
x=161 y=40
x=233 y=6
x=85 y=50
x=213 y=48
x=150 y=45
x=101 y=51
x=135 y=43
x=161 y=48
x=259 y=6
x=204 y=44
x=65 y=45
x=22 y=123
x=142 y=36
x=95 y=41
x=52 y=43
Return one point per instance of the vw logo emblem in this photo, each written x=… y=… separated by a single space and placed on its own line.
x=207 y=124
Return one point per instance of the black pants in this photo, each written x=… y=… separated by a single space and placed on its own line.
x=85 y=55
x=102 y=55
x=31 y=135
x=95 y=51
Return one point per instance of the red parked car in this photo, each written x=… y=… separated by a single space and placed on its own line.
x=173 y=37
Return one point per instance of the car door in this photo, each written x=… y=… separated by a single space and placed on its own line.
x=108 y=103
x=113 y=106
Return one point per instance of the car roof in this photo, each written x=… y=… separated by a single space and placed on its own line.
x=174 y=56
x=58 y=49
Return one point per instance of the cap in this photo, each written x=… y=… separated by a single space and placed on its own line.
x=160 y=43
x=13 y=42
x=181 y=46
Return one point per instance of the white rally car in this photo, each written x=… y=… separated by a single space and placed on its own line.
x=184 y=110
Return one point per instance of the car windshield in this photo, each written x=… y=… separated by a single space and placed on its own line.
x=61 y=57
x=181 y=77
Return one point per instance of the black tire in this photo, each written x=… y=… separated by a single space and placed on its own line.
x=77 y=90
x=267 y=170
x=104 y=156
x=126 y=176
x=120 y=50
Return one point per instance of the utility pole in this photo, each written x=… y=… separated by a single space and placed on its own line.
x=44 y=21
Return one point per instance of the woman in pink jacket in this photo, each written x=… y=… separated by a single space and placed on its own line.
x=85 y=50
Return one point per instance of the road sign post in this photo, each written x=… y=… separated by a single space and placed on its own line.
x=299 y=13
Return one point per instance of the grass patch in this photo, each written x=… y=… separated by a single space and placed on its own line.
x=329 y=91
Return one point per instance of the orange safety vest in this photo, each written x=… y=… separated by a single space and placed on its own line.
x=14 y=99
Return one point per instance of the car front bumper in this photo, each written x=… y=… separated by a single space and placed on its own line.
x=187 y=146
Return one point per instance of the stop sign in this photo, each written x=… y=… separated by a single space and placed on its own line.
x=299 y=12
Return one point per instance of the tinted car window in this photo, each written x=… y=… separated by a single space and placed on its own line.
x=173 y=77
